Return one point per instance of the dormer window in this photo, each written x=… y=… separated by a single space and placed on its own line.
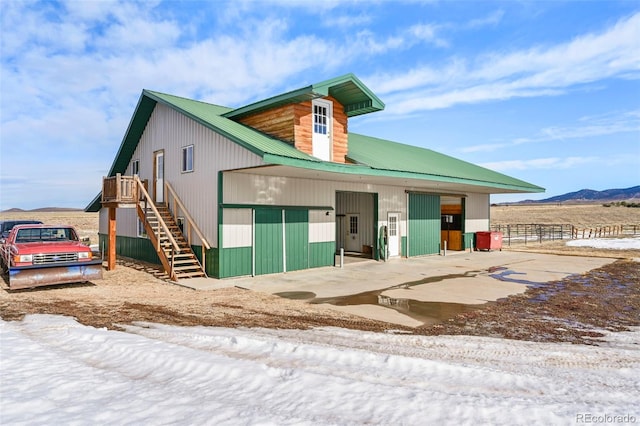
x=321 y=140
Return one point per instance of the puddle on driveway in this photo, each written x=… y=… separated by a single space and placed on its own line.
x=426 y=312
x=296 y=295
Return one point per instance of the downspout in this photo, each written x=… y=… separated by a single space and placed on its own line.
x=220 y=222
x=284 y=243
x=253 y=242
x=407 y=232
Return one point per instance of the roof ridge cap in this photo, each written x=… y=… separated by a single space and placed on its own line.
x=154 y=92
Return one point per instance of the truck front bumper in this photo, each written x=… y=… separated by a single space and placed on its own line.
x=50 y=274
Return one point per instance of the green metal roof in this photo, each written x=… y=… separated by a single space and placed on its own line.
x=210 y=116
x=373 y=156
x=386 y=155
x=356 y=98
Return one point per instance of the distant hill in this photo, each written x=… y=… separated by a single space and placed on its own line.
x=42 y=209
x=590 y=196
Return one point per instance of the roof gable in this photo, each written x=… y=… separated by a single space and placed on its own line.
x=356 y=98
x=210 y=116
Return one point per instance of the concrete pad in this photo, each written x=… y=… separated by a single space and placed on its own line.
x=460 y=277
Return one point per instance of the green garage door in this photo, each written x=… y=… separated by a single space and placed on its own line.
x=297 y=239
x=268 y=241
x=424 y=224
x=271 y=246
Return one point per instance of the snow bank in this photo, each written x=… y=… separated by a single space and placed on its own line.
x=608 y=243
x=56 y=371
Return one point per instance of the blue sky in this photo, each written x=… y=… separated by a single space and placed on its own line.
x=548 y=92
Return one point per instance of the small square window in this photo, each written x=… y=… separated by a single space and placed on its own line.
x=187 y=158
x=142 y=233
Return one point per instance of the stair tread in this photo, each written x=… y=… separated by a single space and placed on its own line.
x=191 y=275
x=187 y=267
x=185 y=262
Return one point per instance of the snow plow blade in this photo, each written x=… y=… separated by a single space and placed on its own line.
x=41 y=275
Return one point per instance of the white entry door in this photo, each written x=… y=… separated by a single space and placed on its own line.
x=321 y=139
x=158 y=176
x=352 y=242
x=393 y=232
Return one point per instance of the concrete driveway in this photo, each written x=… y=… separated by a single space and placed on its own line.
x=439 y=283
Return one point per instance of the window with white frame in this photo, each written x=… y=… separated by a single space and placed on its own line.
x=142 y=233
x=135 y=167
x=187 y=159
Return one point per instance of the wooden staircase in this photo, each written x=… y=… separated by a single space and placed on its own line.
x=175 y=253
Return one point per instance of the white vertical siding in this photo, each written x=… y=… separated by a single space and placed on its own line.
x=126 y=224
x=237 y=228
x=477 y=213
x=322 y=227
x=170 y=130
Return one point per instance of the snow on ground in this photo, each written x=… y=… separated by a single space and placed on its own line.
x=57 y=371
x=608 y=243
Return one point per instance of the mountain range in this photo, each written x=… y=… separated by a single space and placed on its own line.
x=42 y=209
x=591 y=196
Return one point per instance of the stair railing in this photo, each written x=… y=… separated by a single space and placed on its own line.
x=160 y=226
x=178 y=209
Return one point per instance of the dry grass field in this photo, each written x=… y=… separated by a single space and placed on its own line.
x=85 y=223
x=579 y=215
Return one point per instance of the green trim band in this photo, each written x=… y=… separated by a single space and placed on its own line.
x=270 y=206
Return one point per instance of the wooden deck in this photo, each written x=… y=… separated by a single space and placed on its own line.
x=120 y=191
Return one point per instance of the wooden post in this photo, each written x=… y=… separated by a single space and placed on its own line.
x=111 y=256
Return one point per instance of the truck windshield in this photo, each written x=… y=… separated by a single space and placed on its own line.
x=31 y=235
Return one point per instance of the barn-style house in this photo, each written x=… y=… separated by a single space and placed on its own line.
x=282 y=185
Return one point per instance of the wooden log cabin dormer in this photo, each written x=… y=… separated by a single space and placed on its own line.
x=313 y=119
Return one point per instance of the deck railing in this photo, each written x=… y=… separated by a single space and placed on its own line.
x=120 y=189
x=160 y=230
x=177 y=209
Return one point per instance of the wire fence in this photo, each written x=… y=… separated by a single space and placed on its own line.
x=537 y=232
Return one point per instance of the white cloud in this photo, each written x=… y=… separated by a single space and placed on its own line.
x=492 y=19
x=588 y=127
x=347 y=21
x=427 y=33
x=538 y=71
x=539 y=163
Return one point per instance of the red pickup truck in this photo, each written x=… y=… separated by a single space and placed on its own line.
x=38 y=255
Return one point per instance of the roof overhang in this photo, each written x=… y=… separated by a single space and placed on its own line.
x=356 y=98
x=294 y=168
